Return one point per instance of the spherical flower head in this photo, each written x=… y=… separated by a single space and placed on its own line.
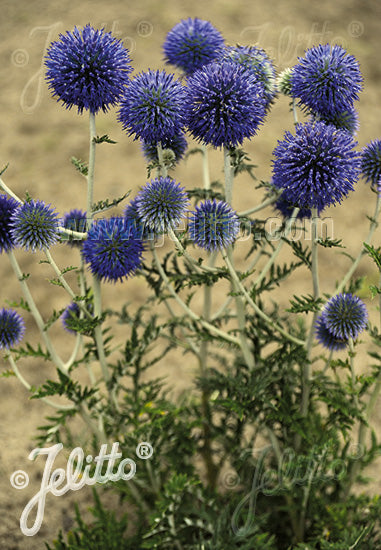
x=327 y=80
x=344 y=120
x=371 y=162
x=283 y=82
x=87 y=68
x=257 y=61
x=225 y=104
x=317 y=166
x=75 y=220
x=326 y=338
x=152 y=106
x=113 y=249
x=34 y=225
x=131 y=213
x=345 y=316
x=191 y=44
x=12 y=328
x=177 y=144
x=8 y=205
x=214 y=225
x=162 y=204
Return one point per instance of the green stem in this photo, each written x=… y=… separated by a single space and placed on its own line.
x=273 y=257
x=205 y=168
x=259 y=207
x=228 y=177
x=257 y=310
x=316 y=292
x=9 y=191
x=90 y=173
x=36 y=314
x=163 y=168
x=211 y=328
x=98 y=329
x=372 y=228
x=29 y=387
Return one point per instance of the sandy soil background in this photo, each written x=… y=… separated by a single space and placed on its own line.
x=38 y=137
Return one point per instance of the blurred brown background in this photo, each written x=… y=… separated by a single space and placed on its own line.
x=38 y=137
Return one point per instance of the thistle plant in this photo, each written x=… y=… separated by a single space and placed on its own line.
x=277 y=400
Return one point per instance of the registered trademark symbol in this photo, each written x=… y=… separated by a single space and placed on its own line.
x=144 y=450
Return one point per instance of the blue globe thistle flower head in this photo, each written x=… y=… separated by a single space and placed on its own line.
x=257 y=61
x=343 y=120
x=345 y=316
x=371 y=162
x=12 y=328
x=213 y=225
x=132 y=214
x=191 y=44
x=327 y=80
x=318 y=166
x=162 y=204
x=178 y=144
x=225 y=104
x=8 y=206
x=75 y=220
x=113 y=249
x=326 y=338
x=87 y=68
x=152 y=106
x=34 y=225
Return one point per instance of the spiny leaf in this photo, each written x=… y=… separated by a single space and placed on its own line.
x=329 y=243
x=304 y=304
x=106 y=204
x=374 y=253
x=103 y=139
x=80 y=165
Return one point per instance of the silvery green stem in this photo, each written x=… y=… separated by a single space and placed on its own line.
x=163 y=168
x=205 y=168
x=257 y=310
x=316 y=293
x=276 y=252
x=98 y=328
x=90 y=173
x=211 y=328
x=372 y=228
x=29 y=387
x=10 y=192
x=36 y=314
x=228 y=177
x=259 y=207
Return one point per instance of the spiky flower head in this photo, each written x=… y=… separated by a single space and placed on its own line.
x=34 y=225
x=213 y=225
x=225 y=104
x=191 y=44
x=283 y=81
x=258 y=62
x=161 y=204
x=113 y=248
x=326 y=338
x=317 y=166
x=177 y=144
x=87 y=68
x=327 y=80
x=345 y=316
x=152 y=106
x=132 y=214
x=75 y=220
x=8 y=206
x=12 y=328
x=343 y=120
x=371 y=162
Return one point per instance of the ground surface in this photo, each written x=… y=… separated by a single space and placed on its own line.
x=38 y=137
